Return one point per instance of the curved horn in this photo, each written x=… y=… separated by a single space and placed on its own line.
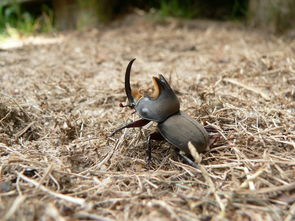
x=127 y=84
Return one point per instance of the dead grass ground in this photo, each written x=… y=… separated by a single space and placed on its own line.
x=59 y=102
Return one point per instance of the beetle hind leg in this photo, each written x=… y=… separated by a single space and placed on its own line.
x=188 y=160
x=214 y=135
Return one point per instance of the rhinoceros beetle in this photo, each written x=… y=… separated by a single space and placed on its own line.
x=163 y=107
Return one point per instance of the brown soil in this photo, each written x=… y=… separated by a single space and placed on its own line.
x=60 y=101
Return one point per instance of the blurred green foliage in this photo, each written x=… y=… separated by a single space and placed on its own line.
x=14 y=20
x=178 y=8
x=213 y=9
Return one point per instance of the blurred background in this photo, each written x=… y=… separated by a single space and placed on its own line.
x=21 y=17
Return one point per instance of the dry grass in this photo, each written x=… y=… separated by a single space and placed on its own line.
x=59 y=103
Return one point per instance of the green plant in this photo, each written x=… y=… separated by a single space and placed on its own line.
x=88 y=13
x=15 y=20
x=45 y=21
x=178 y=8
x=238 y=10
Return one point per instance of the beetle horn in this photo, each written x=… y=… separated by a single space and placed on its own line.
x=127 y=84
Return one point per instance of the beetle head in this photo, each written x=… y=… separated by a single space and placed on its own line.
x=157 y=107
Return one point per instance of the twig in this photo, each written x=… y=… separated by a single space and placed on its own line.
x=247 y=87
x=287 y=187
x=209 y=181
x=53 y=213
x=20 y=133
x=291 y=213
x=47 y=172
x=250 y=178
x=86 y=216
x=166 y=207
x=74 y=200
x=17 y=202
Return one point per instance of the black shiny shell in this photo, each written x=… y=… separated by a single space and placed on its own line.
x=160 y=108
x=180 y=128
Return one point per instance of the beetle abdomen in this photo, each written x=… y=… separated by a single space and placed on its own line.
x=180 y=128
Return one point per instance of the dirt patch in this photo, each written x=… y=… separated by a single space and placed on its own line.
x=60 y=102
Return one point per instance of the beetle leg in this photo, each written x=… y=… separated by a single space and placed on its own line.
x=153 y=136
x=211 y=129
x=212 y=139
x=188 y=160
x=213 y=135
x=137 y=123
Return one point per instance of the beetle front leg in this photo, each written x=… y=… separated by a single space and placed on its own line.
x=137 y=123
x=153 y=136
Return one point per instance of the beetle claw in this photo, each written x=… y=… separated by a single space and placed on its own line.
x=148 y=163
x=189 y=161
